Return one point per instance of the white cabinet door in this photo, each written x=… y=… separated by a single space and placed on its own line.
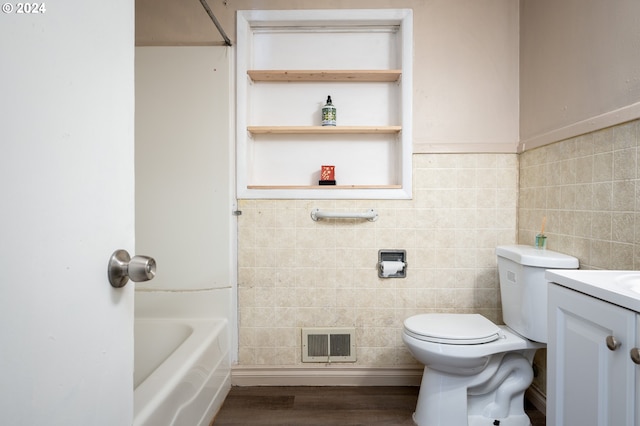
x=589 y=383
x=637 y=375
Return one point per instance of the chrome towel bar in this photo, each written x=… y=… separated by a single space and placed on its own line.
x=370 y=215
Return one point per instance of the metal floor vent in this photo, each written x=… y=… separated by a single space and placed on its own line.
x=328 y=344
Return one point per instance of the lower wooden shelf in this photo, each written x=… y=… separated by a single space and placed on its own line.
x=324 y=186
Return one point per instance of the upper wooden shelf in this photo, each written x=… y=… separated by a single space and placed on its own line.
x=325 y=75
x=318 y=130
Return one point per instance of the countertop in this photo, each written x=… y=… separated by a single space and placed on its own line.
x=621 y=288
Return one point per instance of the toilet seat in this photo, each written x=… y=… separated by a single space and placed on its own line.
x=452 y=329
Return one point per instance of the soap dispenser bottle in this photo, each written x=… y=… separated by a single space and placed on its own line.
x=329 y=113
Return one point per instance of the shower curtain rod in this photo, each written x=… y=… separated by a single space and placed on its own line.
x=227 y=42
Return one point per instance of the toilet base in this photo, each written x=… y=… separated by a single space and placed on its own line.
x=483 y=421
x=522 y=420
x=494 y=396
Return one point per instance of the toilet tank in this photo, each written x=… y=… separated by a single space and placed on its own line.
x=523 y=288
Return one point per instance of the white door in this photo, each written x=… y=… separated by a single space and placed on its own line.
x=66 y=203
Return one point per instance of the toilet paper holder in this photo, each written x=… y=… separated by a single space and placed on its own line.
x=392 y=259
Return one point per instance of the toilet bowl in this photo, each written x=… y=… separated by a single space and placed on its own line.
x=476 y=372
x=460 y=381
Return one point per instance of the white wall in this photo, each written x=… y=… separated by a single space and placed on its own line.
x=465 y=67
x=183 y=177
x=466 y=76
x=580 y=67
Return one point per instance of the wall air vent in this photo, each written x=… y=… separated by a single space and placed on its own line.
x=328 y=345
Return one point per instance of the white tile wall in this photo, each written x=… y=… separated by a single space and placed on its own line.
x=294 y=272
x=588 y=189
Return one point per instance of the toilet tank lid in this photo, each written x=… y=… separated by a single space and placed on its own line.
x=531 y=256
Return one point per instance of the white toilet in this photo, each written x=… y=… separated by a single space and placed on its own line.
x=476 y=372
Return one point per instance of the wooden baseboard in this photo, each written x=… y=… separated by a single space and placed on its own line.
x=537 y=398
x=325 y=376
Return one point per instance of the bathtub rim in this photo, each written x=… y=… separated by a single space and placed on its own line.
x=158 y=386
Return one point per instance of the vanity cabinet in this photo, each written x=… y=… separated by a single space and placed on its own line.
x=592 y=379
x=288 y=62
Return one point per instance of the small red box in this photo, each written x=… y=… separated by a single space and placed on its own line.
x=328 y=173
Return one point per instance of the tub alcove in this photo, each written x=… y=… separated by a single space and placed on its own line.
x=183 y=165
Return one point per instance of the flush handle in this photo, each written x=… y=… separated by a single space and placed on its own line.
x=122 y=268
x=613 y=343
x=635 y=355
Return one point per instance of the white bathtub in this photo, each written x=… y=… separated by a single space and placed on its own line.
x=182 y=372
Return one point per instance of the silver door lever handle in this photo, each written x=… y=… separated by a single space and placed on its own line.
x=122 y=268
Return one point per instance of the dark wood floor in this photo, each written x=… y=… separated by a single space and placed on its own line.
x=315 y=406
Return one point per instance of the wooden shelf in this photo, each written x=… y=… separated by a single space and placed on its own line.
x=324 y=186
x=325 y=75
x=318 y=130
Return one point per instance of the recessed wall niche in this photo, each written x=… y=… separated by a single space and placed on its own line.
x=288 y=62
